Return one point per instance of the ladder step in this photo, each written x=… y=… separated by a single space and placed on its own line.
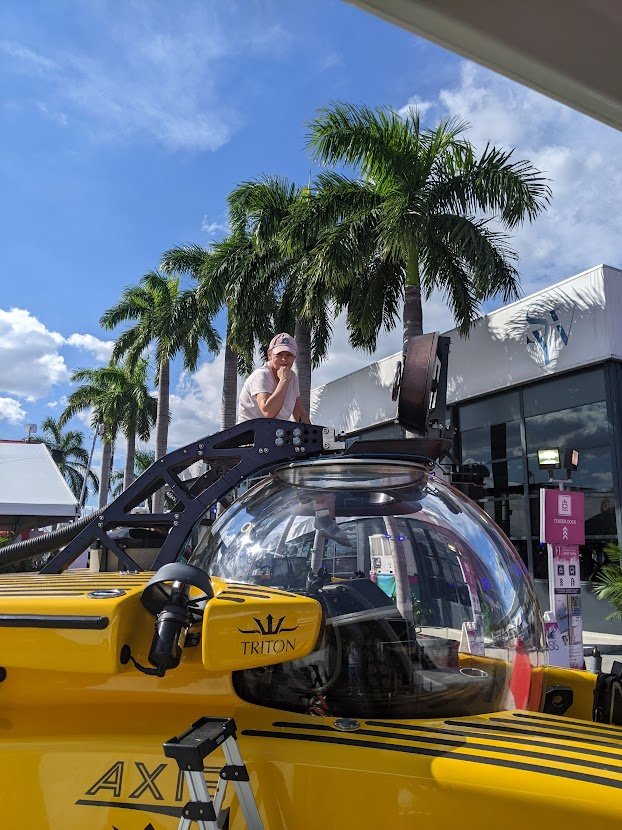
x=189 y=750
x=204 y=736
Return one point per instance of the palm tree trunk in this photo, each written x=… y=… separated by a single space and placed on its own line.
x=413 y=311
x=104 y=479
x=228 y=412
x=130 y=460
x=164 y=384
x=85 y=480
x=302 y=336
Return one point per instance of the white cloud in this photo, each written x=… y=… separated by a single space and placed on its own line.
x=331 y=60
x=582 y=159
x=215 y=229
x=28 y=58
x=100 y=349
x=415 y=106
x=152 y=72
x=12 y=411
x=61 y=402
x=30 y=363
x=55 y=115
x=195 y=404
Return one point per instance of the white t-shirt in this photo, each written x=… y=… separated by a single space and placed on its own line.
x=262 y=380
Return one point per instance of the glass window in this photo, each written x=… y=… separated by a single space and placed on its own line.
x=600 y=515
x=591 y=559
x=509 y=514
x=580 y=427
x=567 y=391
x=593 y=473
x=480 y=446
x=437 y=572
x=497 y=409
x=506 y=478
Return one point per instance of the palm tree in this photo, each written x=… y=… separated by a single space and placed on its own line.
x=137 y=406
x=71 y=456
x=170 y=319
x=216 y=273
x=235 y=275
x=418 y=217
x=274 y=213
x=97 y=394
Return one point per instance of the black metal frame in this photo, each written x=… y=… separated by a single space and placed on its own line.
x=258 y=446
x=231 y=455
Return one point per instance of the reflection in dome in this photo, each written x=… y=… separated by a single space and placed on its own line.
x=429 y=610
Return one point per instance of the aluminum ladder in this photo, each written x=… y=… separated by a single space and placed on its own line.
x=189 y=750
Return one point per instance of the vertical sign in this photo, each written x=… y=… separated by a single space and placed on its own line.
x=562 y=527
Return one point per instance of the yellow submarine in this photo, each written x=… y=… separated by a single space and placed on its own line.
x=351 y=643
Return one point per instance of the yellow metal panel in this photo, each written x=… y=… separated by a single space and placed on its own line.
x=245 y=627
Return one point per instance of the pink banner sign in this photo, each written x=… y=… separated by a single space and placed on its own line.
x=562 y=517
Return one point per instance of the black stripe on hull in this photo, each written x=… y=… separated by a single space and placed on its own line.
x=451 y=739
x=502 y=725
x=124 y=805
x=52 y=621
x=435 y=753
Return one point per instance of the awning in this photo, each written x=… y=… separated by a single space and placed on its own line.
x=568 y=49
x=33 y=492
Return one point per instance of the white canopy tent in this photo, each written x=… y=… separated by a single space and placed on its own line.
x=568 y=49
x=33 y=492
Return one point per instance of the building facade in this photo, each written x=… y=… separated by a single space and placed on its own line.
x=542 y=372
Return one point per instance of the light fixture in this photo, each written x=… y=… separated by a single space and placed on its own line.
x=571 y=460
x=549 y=458
x=552 y=458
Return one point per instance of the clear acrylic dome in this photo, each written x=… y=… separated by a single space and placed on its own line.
x=429 y=610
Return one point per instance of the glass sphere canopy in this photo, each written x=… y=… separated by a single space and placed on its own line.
x=429 y=610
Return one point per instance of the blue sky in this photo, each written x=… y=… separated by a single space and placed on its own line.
x=125 y=126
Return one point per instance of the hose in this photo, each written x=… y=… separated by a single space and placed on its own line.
x=18 y=551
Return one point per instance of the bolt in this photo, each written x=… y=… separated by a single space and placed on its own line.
x=296 y=440
x=326 y=446
x=279 y=442
x=280 y=433
x=297 y=431
x=326 y=430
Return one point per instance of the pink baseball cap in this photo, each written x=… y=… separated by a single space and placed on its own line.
x=283 y=342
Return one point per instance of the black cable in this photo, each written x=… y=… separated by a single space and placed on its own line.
x=18 y=551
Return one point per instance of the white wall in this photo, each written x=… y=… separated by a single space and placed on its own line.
x=571 y=324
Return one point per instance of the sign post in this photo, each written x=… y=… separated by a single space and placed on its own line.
x=562 y=527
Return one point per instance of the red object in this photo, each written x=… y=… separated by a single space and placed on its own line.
x=520 y=681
